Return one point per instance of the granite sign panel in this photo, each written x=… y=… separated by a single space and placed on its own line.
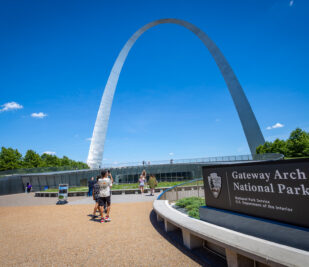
x=277 y=190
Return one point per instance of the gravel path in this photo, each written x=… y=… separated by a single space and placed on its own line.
x=65 y=236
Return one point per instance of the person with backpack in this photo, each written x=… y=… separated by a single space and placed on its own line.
x=105 y=184
x=95 y=195
x=90 y=186
x=152 y=184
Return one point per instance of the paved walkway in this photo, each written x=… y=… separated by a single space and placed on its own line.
x=118 y=199
x=49 y=235
x=29 y=199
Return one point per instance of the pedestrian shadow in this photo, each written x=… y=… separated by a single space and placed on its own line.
x=199 y=255
x=96 y=219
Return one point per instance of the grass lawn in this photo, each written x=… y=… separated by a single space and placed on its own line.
x=191 y=204
x=71 y=189
x=120 y=186
x=134 y=186
x=296 y=157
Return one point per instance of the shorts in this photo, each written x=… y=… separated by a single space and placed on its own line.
x=103 y=200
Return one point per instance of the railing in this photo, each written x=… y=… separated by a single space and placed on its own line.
x=268 y=156
x=193 y=188
x=39 y=170
x=209 y=160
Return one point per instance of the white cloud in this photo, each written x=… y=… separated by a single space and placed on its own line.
x=39 y=115
x=171 y=153
x=277 y=125
x=49 y=153
x=10 y=106
x=88 y=139
x=291 y=2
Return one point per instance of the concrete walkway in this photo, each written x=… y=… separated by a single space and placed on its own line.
x=29 y=199
x=118 y=199
x=47 y=235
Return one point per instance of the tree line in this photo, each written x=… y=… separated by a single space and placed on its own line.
x=11 y=159
x=297 y=145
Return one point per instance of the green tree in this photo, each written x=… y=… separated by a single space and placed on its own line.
x=32 y=160
x=50 y=160
x=10 y=159
x=298 y=143
x=266 y=148
x=65 y=161
x=279 y=146
x=296 y=146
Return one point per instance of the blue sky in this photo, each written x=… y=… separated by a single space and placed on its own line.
x=171 y=100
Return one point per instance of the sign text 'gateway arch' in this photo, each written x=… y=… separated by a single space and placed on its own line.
x=250 y=126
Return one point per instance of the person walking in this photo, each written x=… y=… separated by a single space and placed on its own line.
x=95 y=195
x=109 y=174
x=152 y=184
x=105 y=195
x=142 y=181
x=28 y=188
x=91 y=183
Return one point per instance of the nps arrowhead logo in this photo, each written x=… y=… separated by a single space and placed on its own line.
x=214 y=182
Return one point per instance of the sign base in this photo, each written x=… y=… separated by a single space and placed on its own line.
x=285 y=234
x=62 y=202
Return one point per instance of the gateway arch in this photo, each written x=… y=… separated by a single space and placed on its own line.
x=249 y=123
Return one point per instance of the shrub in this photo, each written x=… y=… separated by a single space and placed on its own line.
x=191 y=204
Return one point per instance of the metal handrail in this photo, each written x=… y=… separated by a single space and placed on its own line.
x=40 y=170
x=267 y=156
x=171 y=188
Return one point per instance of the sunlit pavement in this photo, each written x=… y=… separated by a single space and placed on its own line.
x=65 y=235
x=118 y=199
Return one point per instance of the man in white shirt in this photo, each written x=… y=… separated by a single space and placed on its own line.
x=105 y=195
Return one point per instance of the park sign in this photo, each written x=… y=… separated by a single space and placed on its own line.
x=276 y=190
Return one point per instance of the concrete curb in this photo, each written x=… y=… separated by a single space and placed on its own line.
x=238 y=247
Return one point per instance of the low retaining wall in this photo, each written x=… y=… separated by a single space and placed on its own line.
x=84 y=193
x=239 y=249
x=180 y=192
x=11 y=185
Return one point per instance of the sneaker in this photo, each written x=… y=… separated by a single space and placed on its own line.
x=107 y=219
x=102 y=220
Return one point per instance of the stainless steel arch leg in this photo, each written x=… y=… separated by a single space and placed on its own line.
x=249 y=123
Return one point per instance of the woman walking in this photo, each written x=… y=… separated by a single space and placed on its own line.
x=152 y=184
x=142 y=181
